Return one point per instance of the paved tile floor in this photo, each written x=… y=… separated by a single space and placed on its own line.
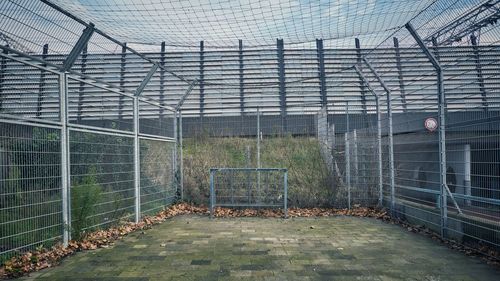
x=336 y=248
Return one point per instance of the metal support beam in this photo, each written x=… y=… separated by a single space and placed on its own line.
x=146 y=80
x=390 y=134
x=364 y=80
x=123 y=65
x=442 y=128
x=321 y=71
x=379 y=154
x=479 y=70
x=361 y=85
x=202 y=78
x=65 y=160
x=281 y=80
x=186 y=94
x=137 y=159
x=379 y=134
x=41 y=85
x=347 y=156
x=181 y=161
x=162 y=78
x=400 y=73
x=3 y=69
x=348 y=167
x=81 y=88
x=242 y=86
x=485 y=14
x=77 y=49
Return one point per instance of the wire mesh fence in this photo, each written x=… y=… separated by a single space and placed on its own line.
x=30 y=197
x=75 y=156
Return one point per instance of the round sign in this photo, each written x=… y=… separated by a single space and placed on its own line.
x=431 y=124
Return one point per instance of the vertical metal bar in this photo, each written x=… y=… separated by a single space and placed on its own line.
x=479 y=70
x=356 y=158
x=389 y=134
x=3 y=67
x=65 y=160
x=162 y=79
x=441 y=128
x=123 y=64
x=347 y=157
x=242 y=87
x=41 y=86
x=467 y=173
x=212 y=195
x=258 y=137
x=347 y=169
x=400 y=73
x=258 y=150
x=137 y=159
x=81 y=88
x=181 y=160
x=379 y=153
x=361 y=84
x=202 y=79
x=175 y=154
x=285 y=196
x=321 y=72
x=391 y=152
x=442 y=152
x=282 y=86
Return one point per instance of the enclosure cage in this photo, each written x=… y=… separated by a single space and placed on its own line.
x=105 y=120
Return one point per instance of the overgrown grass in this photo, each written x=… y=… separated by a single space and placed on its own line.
x=309 y=180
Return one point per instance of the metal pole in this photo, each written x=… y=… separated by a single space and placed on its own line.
x=391 y=151
x=137 y=173
x=441 y=128
x=258 y=151
x=389 y=133
x=65 y=164
x=347 y=158
x=285 y=198
x=258 y=137
x=181 y=161
x=212 y=195
x=379 y=153
x=348 y=170
x=175 y=155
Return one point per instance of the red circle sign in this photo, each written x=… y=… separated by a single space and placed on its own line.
x=431 y=124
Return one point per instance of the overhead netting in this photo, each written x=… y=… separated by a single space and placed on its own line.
x=221 y=23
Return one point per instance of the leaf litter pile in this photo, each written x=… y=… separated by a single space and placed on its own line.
x=47 y=257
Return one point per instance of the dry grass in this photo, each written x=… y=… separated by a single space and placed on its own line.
x=310 y=183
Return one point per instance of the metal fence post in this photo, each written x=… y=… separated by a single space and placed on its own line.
x=391 y=152
x=258 y=150
x=65 y=160
x=441 y=127
x=285 y=196
x=212 y=195
x=348 y=169
x=175 y=155
x=379 y=153
x=137 y=174
x=347 y=157
x=181 y=161
x=258 y=137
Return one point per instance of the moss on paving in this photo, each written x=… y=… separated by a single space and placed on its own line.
x=335 y=248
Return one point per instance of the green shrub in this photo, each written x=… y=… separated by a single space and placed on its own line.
x=84 y=196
